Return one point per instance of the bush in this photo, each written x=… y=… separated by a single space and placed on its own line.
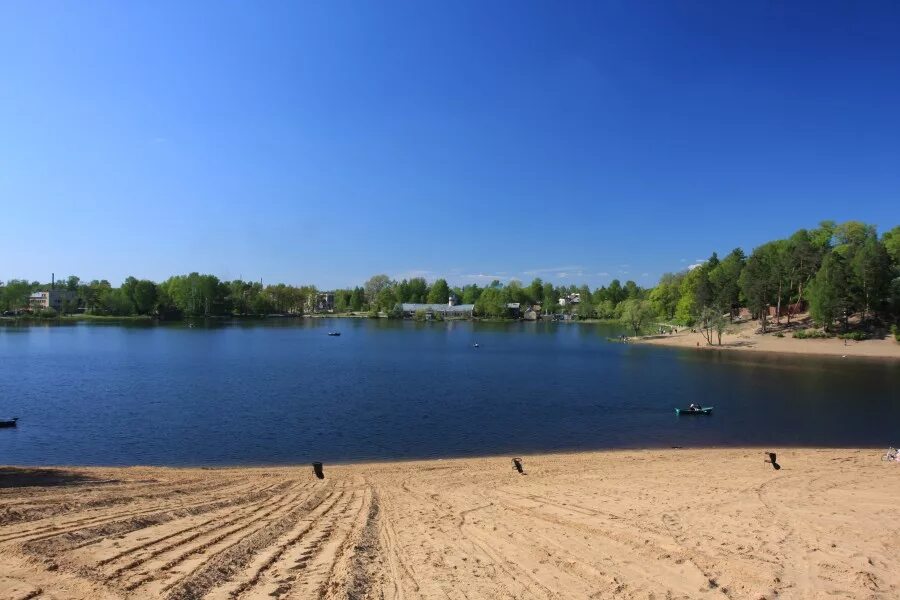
x=396 y=312
x=895 y=332
x=854 y=335
x=810 y=334
x=779 y=334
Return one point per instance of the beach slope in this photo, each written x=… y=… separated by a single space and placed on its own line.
x=622 y=524
x=745 y=337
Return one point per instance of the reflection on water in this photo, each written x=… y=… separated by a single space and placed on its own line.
x=281 y=391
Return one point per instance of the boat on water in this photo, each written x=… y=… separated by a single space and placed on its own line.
x=703 y=410
x=334 y=333
x=475 y=345
x=9 y=422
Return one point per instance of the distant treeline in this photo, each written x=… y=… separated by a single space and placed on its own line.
x=838 y=270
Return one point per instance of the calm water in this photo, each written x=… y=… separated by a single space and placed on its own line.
x=285 y=392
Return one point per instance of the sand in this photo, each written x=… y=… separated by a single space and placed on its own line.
x=623 y=524
x=744 y=338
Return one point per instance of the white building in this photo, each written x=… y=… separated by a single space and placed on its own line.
x=51 y=299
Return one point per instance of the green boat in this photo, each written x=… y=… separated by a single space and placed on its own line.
x=703 y=410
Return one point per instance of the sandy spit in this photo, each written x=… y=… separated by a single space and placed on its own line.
x=623 y=524
x=743 y=337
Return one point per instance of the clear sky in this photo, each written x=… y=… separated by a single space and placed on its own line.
x=325 y=142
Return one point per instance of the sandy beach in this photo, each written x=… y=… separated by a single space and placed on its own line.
x=743 y=337
x=623 y=524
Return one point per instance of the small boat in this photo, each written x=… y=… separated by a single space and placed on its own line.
x=475 y=345
x=9 y=422
x=334 y=333
x=703 y=410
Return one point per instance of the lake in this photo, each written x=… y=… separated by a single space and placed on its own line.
x=283 y=391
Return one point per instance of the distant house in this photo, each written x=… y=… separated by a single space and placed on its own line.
x=324 y=302
x=451 y=310
x=531 y=314
x=54 y=299
x=787 y=309
x=570 y=299
x=513 y=310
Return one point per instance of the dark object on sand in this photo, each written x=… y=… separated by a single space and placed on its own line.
x=9 y=422
x=334 y=333
x=317 y=469
x=517 y=464
x=772 y=460
x=704 y=410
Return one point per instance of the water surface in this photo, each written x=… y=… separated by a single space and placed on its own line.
x=285 y=392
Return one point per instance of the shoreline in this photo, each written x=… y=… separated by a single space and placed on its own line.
x=380 y=462
x=679 y=523
x=742 y=338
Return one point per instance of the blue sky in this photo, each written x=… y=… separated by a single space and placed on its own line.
x=325 y=142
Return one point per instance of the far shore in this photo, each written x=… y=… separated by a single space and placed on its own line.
x=629 y=524
x=743 y=337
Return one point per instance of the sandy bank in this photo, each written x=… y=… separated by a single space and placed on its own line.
x=745 y=338
x=624 y=524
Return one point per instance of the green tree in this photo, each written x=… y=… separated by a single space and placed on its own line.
x=357 y=299
x=871 y=271
x=144 y=297
x=585 y=308
x=605 y=310
x=632 y=291
x=491 y=303
x=15 y=294
x=536 y=291
x=374 y=285
x=615 y=293
x=829 y=291
x=516 y=293
x=549 y=298
x=758 y=282
x=439 y=292
x=891 y=241
x=636 y=313
x=418 y=290
x=342 y=301
x=710 y=321
x=261 y=303
x=664 y=297
x=471 y=293
x=724 y=280
x=694 y=295
x=801 y=257
x=386 y=299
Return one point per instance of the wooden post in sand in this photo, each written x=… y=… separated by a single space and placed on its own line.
x=517 y=464
x=317 y=469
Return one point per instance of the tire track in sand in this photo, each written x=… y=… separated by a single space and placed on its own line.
x=163 y=567
x=267 y=570
x=226 y=560
x=148 y=549
x=33 y=532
